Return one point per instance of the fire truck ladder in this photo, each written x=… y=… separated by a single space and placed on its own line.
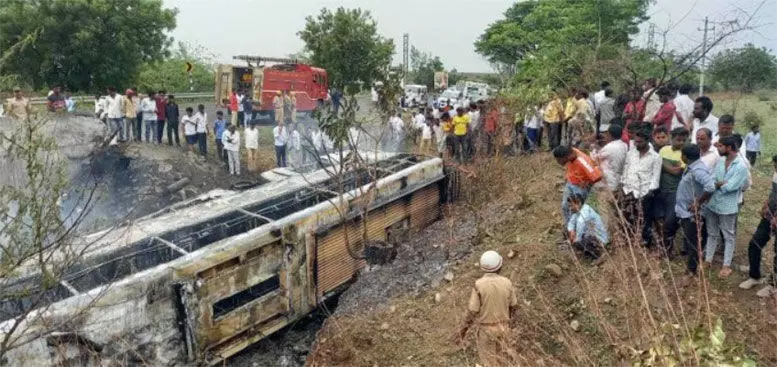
x=260 y=59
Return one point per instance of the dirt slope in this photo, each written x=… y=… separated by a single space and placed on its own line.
x=570 y=313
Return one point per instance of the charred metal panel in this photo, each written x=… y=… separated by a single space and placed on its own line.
x=425 y=207
x=201 y=283
x=338 y=263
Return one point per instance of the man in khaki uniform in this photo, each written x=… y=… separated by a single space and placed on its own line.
x=293 y=97
x=18 y=107
x=490 y=306
x=277 y=103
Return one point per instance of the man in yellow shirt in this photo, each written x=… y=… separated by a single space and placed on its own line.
x=130 y=102
x=18 y=107
x=671 y=174
x=570 y=109
x=460 y=130
x=554 y=114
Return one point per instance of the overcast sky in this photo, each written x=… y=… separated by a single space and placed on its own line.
x=446 y=28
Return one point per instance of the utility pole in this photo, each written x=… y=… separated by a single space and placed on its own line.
x=405 y=56
x=704 y=54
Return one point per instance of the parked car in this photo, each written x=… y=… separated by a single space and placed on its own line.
x=452 y=95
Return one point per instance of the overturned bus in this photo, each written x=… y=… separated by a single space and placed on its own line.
x=200 y=282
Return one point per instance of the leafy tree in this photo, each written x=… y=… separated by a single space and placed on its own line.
x=84 y=44
x=745 y=68
x=170 y=74
x=551 y=41
x=423 y=66
x=347 y=44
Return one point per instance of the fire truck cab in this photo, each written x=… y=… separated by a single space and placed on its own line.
x=309 y=83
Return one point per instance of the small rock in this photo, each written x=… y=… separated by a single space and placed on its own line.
x=435 y=283
x=554 y=270
x=393 y=309
x=437 y=298
x=448 y=276
x=511 y=254
x=384 y=326
x=575 y=325
x=608 y=300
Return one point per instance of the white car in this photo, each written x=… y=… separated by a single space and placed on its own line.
x=451 y=95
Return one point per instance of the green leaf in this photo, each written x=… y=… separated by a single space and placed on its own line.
x=717 y=336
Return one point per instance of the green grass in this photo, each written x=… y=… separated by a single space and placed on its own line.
x=741 y=104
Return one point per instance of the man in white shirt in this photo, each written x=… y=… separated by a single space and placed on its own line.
x=231 y=141
x=753 y=144
x=652 y=102
x=703 y=118
x=189 y=122
x=252 y=145
x=202 y=130
x=605 y=109
x=114 y=105
x=280 y=140
x=397 y=125
x=532 y=122
x=684 y=106
x=374 y=96
x=611 y=158
x=419 y=120
x=295 y=147
x=148 y=106
x=600 y=95
x=640 y=180
x=474 y=117
x=709 y=154
x=240 y=109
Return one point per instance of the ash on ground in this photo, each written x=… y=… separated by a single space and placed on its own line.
x=128 y=181
x=421 y=264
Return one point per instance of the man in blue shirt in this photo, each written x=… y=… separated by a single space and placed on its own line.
x=218 y=129
x=730 y=177
x=585 y=228
x=695 y=187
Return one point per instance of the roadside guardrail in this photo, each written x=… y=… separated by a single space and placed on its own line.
x=83 y=99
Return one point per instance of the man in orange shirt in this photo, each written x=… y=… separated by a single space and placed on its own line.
x=581 y=174
x=489 y=128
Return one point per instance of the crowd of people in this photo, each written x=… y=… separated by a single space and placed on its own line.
x=663 y=165
x=156 y=118
x=658 y=163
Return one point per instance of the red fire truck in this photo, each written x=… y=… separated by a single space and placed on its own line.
x=309 y=83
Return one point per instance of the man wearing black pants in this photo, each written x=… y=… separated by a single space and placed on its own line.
x=695 y=187
x=671 y=174
x=172 y=115
x=161 y=111
x=764 y=232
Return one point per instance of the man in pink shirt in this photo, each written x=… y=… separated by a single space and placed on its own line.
x=668 y=110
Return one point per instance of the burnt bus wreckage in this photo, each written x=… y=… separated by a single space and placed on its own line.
x=197 y=284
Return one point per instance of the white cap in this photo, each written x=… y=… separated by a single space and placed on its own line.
x=490 y=261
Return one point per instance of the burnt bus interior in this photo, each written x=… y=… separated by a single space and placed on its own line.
x=34 y=291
